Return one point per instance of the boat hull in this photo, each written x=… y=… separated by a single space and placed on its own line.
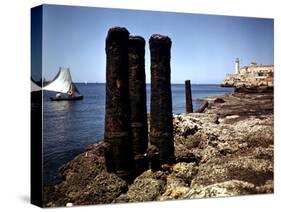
x=66 y=98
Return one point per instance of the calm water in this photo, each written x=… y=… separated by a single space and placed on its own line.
x=70 y=126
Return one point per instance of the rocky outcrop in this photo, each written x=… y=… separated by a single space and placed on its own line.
x=246 y=83
x=146 y=187
x=86 y=181
x=233 y=140
x=225 y=151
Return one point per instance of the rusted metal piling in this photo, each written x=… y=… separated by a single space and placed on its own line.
x=118 y=155
x=161 y=117
x=202 y=107
x=137 y=92
x=188 y=97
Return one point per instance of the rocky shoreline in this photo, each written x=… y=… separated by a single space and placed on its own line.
x=225 y=151
x=248 y=83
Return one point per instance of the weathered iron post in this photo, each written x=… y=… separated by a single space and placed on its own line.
x=161 y=117
x=117 y=111
x=188 y=97
x=137 y=92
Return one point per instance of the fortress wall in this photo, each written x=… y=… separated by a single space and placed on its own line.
x=254 y=70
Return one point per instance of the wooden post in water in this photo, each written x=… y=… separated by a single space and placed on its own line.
x=161 y=117
x=188 y=97
x=137 y=92
x=117 y=111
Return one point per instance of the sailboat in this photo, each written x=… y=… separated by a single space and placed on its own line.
x=63 y=85
x=36 y=91
x=34 y=86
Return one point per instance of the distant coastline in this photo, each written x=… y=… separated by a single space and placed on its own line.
x=218 y=84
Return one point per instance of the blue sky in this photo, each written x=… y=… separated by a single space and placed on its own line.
x=204 y=47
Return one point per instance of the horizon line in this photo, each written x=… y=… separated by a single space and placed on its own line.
x=200 y=83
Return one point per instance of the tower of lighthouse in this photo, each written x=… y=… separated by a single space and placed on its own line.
x=237 y=66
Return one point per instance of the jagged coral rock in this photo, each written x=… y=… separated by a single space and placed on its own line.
x=146 y=187
x=179 y=180
x=226 y=151
x=227 y=188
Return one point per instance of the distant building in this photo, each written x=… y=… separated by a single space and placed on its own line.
x=251 y=75
x=237 y=66
x=257 y=70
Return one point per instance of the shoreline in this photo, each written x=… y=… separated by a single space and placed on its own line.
x=225 y=151
x=53 y=173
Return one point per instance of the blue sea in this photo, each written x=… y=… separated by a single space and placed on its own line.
x=69 y=126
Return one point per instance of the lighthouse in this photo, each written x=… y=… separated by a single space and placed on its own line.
x=237 y=66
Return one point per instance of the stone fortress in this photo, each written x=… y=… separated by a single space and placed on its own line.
x=251 y=77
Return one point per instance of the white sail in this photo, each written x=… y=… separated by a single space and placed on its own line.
x=62 y=83
x=34 y=86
